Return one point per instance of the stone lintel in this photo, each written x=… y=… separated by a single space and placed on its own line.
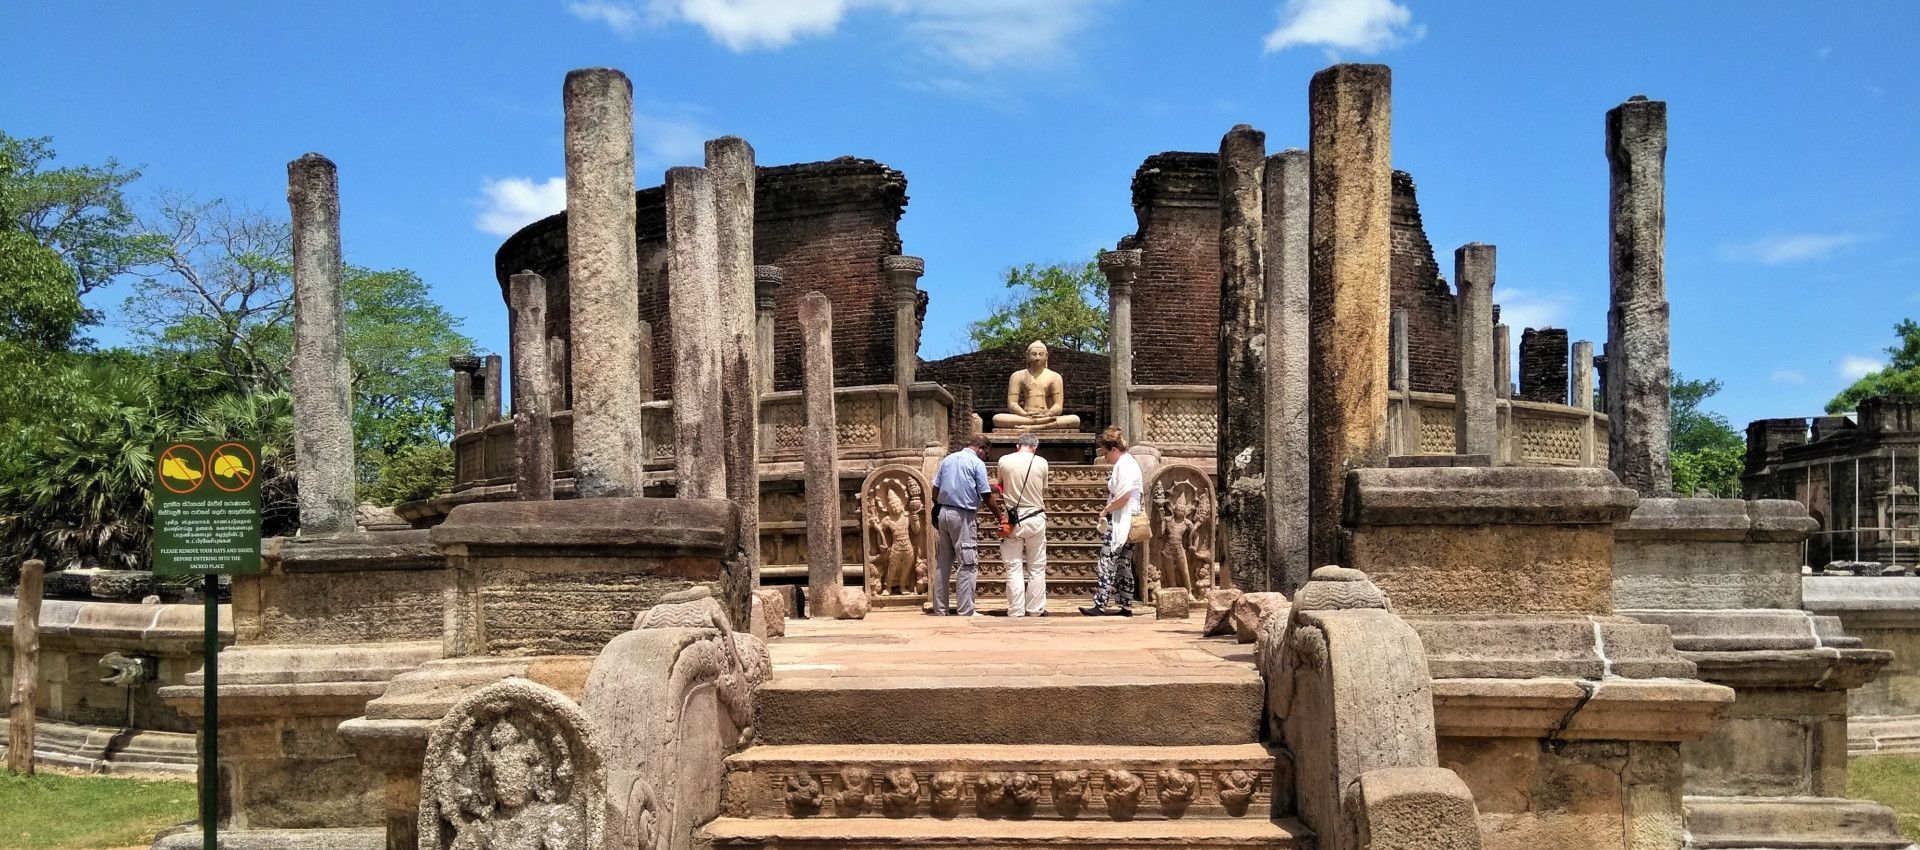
x=1508 y=495
x=1578 y=709
x=637 y=527
x=1729 y=520
x=352 y=552
x=1824 y=668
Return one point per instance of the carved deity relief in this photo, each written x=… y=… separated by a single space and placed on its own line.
x=894 y=531
x=513 y=766
x=1184 y=528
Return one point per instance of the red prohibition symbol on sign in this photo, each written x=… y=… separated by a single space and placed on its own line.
x=233 y=467
x=182 y=469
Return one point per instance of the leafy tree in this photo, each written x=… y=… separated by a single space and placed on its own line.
x=1706 y=453
x=1062 y=305
x=80 y=212
x=39 y=307
x=418 y=471
x=1900 y=377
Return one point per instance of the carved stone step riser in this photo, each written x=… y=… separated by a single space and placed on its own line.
x=1011 y=843
x=1219 y=790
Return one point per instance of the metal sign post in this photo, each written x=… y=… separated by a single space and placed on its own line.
x=206 y=522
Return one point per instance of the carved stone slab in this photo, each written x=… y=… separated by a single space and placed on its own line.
x=513 y=767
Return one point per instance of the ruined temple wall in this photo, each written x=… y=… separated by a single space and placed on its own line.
x=1176 y=300
x=826 y=224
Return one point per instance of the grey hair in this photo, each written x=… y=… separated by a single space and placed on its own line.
x=1029 y=441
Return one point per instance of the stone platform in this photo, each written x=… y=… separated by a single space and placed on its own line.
x=1055 y=446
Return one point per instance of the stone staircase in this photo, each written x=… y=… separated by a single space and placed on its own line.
x=953 y=732
x=1075 y=495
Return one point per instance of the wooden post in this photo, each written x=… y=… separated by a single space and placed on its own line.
x=26 y=668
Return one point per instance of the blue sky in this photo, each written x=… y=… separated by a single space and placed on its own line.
x=1791 y=168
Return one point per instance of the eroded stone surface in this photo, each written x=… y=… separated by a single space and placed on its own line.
x=513 y=766
x=322 y=383
x=1241 y=433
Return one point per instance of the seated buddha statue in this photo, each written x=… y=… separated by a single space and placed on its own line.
x=1035 y=397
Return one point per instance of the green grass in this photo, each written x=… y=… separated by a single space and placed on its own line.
x=1892 y=781
x=56 y=811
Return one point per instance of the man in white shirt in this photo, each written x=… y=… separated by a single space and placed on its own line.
x=1113 y=573
x=1023 y=487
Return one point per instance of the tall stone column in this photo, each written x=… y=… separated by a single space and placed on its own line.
x=699 y=332
x=465 y=367
x=643 y=369
x=557 y=373
x=1502 y=362
x=1474 y=417
x=1121 y=268
x=492 y=371
x=903 y=280
x=1242 y=432
x=603 y=283
x=1284 y=262
x=1349 y=118
x=322 y=383
x=532 y=388
x=1403 y=424
x=820 y=458
x=766 y=287
x=1638 y=371
x=730 y=163
x=1583 y=396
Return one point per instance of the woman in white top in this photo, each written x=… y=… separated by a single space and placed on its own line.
x=1113 y=574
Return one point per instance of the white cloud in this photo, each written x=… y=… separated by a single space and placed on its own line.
x=1789 y=247
x=975 y=34
x=1361 y=26
x=666 y=135
x=510 y=203
x=1526 y=308
x=1853 y=367
x=1789 y=377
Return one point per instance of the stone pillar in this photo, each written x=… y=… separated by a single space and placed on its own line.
x=1397 y=354
x=1403 y=423
x=699 y=332
x=491 y=370
x=1284 y=263
x=465 y=367
x=557 y=374
x=1600 y=378
x=1121 y=268
x=24 y=696
x=1638 y=374
x=766 y=285
x=643 y=332
x=1243 y=361
x=820 y=457
x=730 y=163
x=322 y=383
x=903 y=278
x=1502 y=362
x=1474 y=417
x=1583 y=397
x=532 y=388
x=603 y=283
x=1349 y=117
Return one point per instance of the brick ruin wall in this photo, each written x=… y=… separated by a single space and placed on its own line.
x=978 y=381
x=1176 y=300
x=825 y=224
x=1543 y=365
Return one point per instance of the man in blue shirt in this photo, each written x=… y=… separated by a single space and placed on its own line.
x=958 y=488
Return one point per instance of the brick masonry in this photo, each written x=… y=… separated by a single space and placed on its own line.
x=1176 y=301
x=1543 y=365
x=826 y=224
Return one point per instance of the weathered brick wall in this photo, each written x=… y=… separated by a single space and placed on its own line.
x=1543 y=365
x=826 y=224
x=978 y=381
x=1176 y=301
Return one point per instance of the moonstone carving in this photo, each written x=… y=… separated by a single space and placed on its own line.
x=899 y=793
x=1123 y=794
x=1176 y=791
x=1070 y=792
x=894 y=530
x=948 y=787
x=1185 y=526
x=513 y=767
x=1236 y=790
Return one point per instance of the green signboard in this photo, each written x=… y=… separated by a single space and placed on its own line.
x=206 y=508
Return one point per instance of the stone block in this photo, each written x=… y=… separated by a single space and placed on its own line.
x=1710 y=553
x=770 y=613
x=1413 y=808
x=1250 y=608
x=1172 y=603
x=1578 y=795
x=854 y=604
x=1219 y=619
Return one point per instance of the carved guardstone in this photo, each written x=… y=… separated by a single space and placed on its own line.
x=513 y=767
x=894 y=526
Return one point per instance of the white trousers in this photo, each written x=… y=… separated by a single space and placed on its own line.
x=1025 y=556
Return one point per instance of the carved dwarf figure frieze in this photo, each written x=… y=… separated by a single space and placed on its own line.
x=1035 y=397
x=1184 y=528
x=513 y=766
x=894 y=530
